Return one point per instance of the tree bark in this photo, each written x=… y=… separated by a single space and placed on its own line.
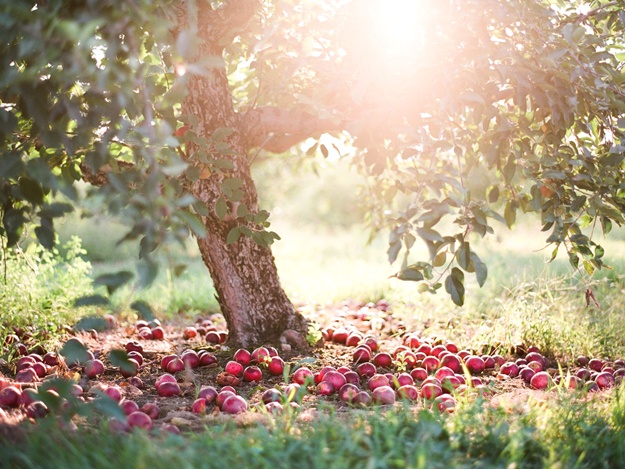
x=245 y=277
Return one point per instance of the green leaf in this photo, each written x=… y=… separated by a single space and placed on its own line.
x=324 y=150
x=108 y=406
x=74 y=352
x=97 y=323
x=31 y=190
x=113 y=281
x=429 y=234
x=45 y=235
x=11 y=166
x=91 y=300
x=393 y=251
x=493 y=194
x=463 y=257
x=410 y=274
x=440 y=259
x=143 y=309
x=119 y=358
x=589 y=267
x=221 y=208
x=193 y=222
x=454 y=285
x=481 y=271
x=222 y=133
x=509 y=213
x=148 y=270
x=233 y=235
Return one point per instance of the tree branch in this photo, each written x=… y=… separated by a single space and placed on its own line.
x=100 y=177
x=222 y=25
x=276 y=129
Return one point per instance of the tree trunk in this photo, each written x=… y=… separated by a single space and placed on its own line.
x=245 y=277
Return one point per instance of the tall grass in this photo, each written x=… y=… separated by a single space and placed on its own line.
x=566 y=432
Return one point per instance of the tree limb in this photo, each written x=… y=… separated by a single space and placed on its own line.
x=100 y=177
x=276 y=129
x=222 y=25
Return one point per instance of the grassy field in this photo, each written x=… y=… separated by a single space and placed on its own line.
x=324 y=259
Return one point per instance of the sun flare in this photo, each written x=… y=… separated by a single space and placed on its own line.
x=399 y=27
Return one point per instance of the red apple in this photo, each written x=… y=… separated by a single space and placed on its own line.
x=489 y=362
x=451 y=361
x=526 y=373
x=325 y=388
x=361 y=354
x=431 y=391
x=129 y=406
x=376 y=381
x=114 y=392
x=540 y=380
x=604 y=380
x=213 y=337
x=595 y=364
x=260 y=355
x=41 y=369
x=336 y=378
x=362 y=399
x=222 y=396
x=372 y=342
x=189 y=333
x=252 y=373
x=383 y=395
x=347 y=392
x=207 y=358
x=408 y=391
x=199 y=406
x=166 y=360
x=276 y=366
x=437 y=350
x=166 y=378
x=37 y=410
x=94 y=368
x=168 y=389
x=175 y=365
x=475 y=364
x=208 y=393
x=301 y=374
x=9 y=396
x=133 y=345
x=158 y=333
x=242 y=356
x=419 y=374
x=353 y=339
x=190 y=358
x=151 y=410
x=366 y=370
x=444 y=372
x=430 y=363
x=383 y=359
x=234 y=368
x=139 y=420
x=509 y=369
x=26 y=375
x=271 y=395
x=234 y=405
x=135 y=356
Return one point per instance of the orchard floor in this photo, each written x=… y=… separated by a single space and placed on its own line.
x=370 y=320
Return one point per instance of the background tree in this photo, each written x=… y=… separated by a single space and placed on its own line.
x=471 y=110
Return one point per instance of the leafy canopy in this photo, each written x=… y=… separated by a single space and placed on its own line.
x=485 y=108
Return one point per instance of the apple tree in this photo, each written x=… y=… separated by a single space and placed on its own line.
x=472 y=110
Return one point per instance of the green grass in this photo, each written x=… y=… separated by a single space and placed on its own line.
x=566 y=433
